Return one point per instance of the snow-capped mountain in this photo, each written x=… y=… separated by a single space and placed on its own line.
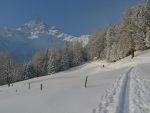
x=36 y=27
x=32 y=36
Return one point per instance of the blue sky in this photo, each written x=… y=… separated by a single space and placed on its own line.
x=75 y=17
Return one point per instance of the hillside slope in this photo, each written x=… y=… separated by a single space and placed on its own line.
x=64 y=92
x=130 y=93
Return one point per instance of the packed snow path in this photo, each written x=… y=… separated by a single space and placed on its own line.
x=131 y=91
x=116 y=98
x=124 y=95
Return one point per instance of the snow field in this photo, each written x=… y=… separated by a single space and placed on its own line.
x=140 y=90
x=117 y=88
x=112 y=101
x=131 y=91
x=62 y=92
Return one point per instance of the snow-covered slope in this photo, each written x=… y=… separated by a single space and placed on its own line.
x=121 y=87
x=32 y=36
x=131 y=91
x=63 y=92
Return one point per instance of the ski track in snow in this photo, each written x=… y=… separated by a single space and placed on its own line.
x=131 y=91
x=116 y=99
x=129 y=94
x=124 y=95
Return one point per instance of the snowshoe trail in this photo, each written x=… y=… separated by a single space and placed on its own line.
x=124 y=94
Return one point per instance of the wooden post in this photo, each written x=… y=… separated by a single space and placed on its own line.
x=86 y=82
x=41 y=86
x=29 y=85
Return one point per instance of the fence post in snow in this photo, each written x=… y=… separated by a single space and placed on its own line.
x=86 y=82
x=103 y=66
x=41 y=86
x=29 y=85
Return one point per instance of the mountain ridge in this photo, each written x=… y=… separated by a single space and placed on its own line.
x=34 y=35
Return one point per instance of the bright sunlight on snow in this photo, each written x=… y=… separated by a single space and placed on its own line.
x=121 y=87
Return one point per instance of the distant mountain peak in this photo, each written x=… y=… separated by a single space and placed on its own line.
x=37 y=28
x=34 y=27
x=37 y=35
